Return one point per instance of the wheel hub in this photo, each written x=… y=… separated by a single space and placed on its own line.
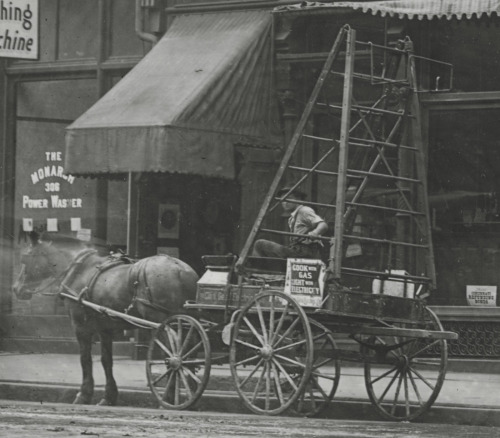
x=266 y=352
x=174 y=362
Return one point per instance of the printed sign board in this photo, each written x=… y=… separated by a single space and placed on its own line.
x=481 y=295
x=19 y=37
x=304 y=281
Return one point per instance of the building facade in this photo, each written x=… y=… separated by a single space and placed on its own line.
x=88 y=47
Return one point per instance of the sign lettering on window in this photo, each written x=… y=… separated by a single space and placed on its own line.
x=19 y=37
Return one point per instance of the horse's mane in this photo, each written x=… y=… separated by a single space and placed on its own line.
x=66 y=244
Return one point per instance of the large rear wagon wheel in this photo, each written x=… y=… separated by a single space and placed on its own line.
x=325 y=374
x=178 y=362
x=271 y=353
x=408 y=383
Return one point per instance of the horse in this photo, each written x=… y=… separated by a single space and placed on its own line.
x=151 y=288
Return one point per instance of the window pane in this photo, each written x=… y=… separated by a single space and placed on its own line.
x=464 y=187
x=124 y=41
x=468 y=46
x=78 y=29
x=64 y=100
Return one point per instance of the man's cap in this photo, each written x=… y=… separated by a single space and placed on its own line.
x=296 y=192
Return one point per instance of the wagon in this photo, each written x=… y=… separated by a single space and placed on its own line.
x=277 y=322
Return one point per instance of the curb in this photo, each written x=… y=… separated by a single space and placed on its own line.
x=229 y=402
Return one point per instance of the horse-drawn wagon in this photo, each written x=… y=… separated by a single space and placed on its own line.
x=276 y=322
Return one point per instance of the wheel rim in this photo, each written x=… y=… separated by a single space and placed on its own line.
x=271 y=353
x=406 y=388
x=178 y=362
x=325 y=374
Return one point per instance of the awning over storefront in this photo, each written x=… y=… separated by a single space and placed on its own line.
x=414 y=8
x=203 y=88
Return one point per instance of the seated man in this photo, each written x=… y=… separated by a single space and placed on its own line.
x=302 y=220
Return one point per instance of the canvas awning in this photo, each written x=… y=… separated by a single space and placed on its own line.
x=204 y=87
x=419 y=9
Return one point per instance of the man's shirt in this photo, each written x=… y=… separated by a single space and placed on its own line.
x=303 y=220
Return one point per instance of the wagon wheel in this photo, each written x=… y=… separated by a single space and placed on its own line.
x=271 y=353
x=178 y=362
x=325 y=375
x=406 y=381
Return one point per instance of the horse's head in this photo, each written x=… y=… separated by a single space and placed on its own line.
x=42 y=264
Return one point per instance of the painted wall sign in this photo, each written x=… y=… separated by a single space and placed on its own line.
x=19 y=36
x=481 y=295
x=52 y=178
x=304 y=281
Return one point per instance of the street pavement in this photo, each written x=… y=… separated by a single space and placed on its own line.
x=468 y=396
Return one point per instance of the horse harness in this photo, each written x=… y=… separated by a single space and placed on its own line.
x=114 y=260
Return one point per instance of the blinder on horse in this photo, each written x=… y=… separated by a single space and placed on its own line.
x=38 y=272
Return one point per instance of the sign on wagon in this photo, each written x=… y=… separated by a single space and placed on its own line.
x=19 y=29
x=304 y=281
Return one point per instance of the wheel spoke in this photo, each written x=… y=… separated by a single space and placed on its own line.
x=171 y=338
x=286 y=347
x=271 y=321
x=323 y=376
x=407 y=395
x=287 y=359
x=163 y=347
x=279 y=392
x=395 y=403
x=155 y=381
x=259 y=381
x=254 y=331
x=247 y=378
x=248 y=359
x=281 y=321
x=383 y=375
x=184 y=380
x=262 y=323
x=287 y=376
x=268 y=384
x=424 y=349
x=177 y=389
x=167 y=386
x=287 y=331
x=193 y=376
x=179 y=335
x=186 y=340
x=415 y=388
x=388 y=386
x=421 y=377
x=247 y=344
x=195 y=348
x=318 y=386
x=193 y=362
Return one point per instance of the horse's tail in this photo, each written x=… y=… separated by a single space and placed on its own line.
x=161 y=285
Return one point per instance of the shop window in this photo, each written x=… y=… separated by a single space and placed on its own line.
x=469 y=46
x=47 y=31
x=78 y=29
x=464 y=196
x=124 y=41
x=65 y=100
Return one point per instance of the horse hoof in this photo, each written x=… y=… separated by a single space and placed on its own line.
x=106 y=402
x=81 y=400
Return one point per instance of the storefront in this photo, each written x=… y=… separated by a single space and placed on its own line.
x=203 y=199
x=168 y=161
x=460 y=130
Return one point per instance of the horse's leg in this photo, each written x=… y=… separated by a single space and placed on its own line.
x=84 y=337
x=111 y=391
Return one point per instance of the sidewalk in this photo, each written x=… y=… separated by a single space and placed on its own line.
x=466 y=397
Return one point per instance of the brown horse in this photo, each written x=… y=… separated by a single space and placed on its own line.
x=151 y=289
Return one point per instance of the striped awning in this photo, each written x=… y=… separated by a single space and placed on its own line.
x=205 y=87
x=419 y=9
